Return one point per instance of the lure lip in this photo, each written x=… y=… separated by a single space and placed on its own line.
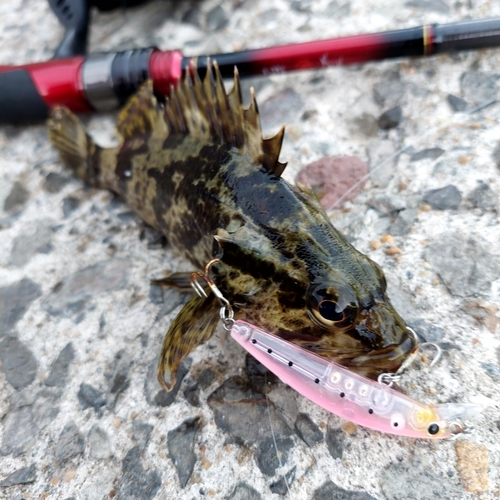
x=348 y=394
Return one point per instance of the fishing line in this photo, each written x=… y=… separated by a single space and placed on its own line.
x=274 y=438
x=404 y=148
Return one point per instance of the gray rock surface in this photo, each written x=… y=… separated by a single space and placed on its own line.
x=307 y=430
x=71 y=442
x=137 y=483
x=181 y=442
x=14 y=302
x=463 y=263
x=330 y=490
x=478 y=87
x=445 y=198
x=18 y=362
x=20 y=431
x=142 y=433
x=25 y=475
x=99 y=443
x=59 y=371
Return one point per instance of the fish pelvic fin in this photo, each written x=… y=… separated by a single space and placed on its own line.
x=78 y=151
x=193 y=326
x=203 y=109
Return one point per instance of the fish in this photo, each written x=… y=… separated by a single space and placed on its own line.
x=197 y=168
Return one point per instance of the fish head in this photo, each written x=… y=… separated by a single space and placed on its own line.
x=354 y=321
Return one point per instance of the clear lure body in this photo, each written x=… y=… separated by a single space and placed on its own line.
x=348 y=395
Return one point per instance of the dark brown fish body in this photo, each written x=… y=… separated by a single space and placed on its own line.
x=201 y=173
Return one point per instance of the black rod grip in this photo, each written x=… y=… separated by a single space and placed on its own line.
x=20 y=102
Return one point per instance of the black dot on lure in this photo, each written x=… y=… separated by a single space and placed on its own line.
x=433 y=429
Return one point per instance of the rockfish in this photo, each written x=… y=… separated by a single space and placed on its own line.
x=197 y=169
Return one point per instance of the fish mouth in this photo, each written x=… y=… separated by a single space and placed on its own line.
x=376 y=362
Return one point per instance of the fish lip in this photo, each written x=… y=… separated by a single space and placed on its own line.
x=386 y=360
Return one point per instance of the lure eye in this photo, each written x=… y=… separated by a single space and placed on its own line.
x=433 y=429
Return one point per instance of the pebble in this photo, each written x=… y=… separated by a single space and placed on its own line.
x=457 y=104
x=119 y=381
x=283 y=107
x=58 y=375
x=404 y=222
x=334 y=439
x=26 y=246
x=142 y=433
x=181 y=442
x=17 y=198
x=393 y=250
x=69 y=475
x=478 y=87
x=445 y=198
x=330 y=491
x=282 y=485
x=390 y=118
x=19 y=433
x=26 y=475
x=98 y=443
x=427 y=154
x=217 y=19
x=71 y=442
x=154 y=393
x=237 y=409
x=54 y=182
x=70 y=204
x=463 y=264
x=483 y=197
x=137 y=483
x=483 y=313
x=366 y=124
x=375 y=244
x=389 y=91
x=272 y=453
x=90 y=397
x=472 y=465
x=382 y=168
x=388 y=206
x=416 y=479
x=242 y=491
x=307 y=430
x=17 y=362
x=14 y=302
x=334 y=179
x=70 y=295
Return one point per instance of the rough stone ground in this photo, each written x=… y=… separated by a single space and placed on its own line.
x=81 y=415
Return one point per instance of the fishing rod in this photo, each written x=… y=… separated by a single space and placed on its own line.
x=103 y=81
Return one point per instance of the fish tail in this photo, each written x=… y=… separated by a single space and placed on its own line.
x=79 y=152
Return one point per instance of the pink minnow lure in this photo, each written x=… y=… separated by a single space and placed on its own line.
x=348 y=395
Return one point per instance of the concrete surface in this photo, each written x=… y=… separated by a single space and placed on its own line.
x=81 y=415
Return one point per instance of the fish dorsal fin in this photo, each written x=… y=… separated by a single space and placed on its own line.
x=203 y=109
x=142 y=116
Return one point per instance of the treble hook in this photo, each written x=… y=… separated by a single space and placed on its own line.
x=390 y=378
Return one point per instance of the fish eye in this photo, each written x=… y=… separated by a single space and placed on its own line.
x=329 y=311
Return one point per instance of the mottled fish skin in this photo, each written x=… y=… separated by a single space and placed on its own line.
x=200 y=172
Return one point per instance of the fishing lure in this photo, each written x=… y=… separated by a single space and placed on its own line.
x=349 y=395
x=198 y=170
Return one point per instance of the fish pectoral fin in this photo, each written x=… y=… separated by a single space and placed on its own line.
x=193 y=326
x=142 y=117
x=182 y=281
